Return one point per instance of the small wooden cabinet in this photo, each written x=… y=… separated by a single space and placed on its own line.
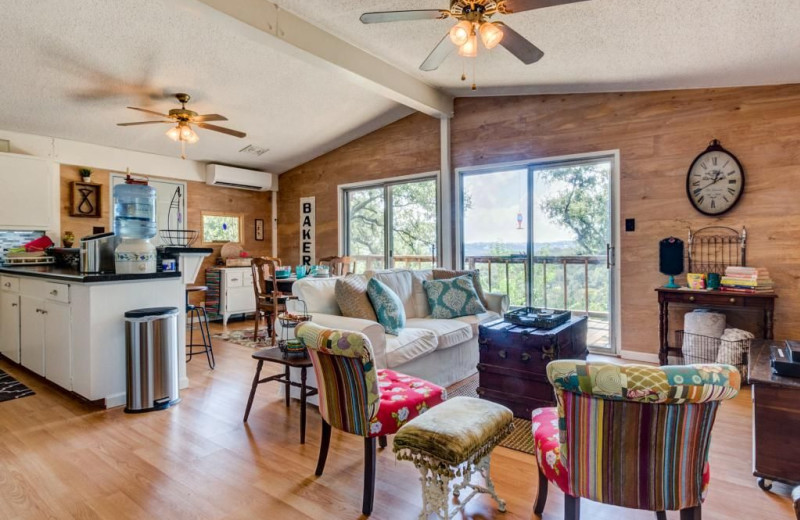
x=236 y=295
x=45 y=331
x=513 y=361
x=9 y=318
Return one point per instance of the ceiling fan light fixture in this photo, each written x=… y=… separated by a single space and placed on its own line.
x=461 y=32
x=174 y=133
x=469 y=49
x=491 y=35
x=192 y=137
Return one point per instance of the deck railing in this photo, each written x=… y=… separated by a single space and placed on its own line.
x=496 y=271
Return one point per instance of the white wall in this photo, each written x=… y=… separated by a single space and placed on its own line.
x=65 y=151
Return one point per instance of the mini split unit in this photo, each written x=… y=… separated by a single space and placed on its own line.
x=230 y=177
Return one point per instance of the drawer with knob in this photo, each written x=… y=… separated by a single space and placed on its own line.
x=9 y=284
x=57 y=292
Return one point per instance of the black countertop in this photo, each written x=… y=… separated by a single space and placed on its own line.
x=173 y=250
x=68 y=274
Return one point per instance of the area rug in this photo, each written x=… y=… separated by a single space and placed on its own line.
x=521 y=439
x=10 y=388
x=244 y=337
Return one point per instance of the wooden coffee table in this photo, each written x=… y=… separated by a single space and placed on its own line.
x=274 y=355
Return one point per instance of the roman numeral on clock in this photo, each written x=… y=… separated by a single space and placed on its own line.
x=731 y=181
x=713 y=204
x=697 y=192
x=701 y=199
x=731 y=191
x=714 y=160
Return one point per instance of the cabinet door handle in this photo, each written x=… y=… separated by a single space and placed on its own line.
x=691 y=298
x=54 y=292
x=44 y=311
x=503 y=354
x=525 y=357
x=234 y=279
x=14 y=304
x=733 y=300
x=7 y=284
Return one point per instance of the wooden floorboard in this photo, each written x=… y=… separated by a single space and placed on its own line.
x=197 y=460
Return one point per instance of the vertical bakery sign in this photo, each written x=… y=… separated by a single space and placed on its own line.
x=307 y=231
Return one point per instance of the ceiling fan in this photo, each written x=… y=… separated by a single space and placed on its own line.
x=183 y=118
x=474 y=18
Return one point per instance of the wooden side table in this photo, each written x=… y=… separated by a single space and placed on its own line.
x=776 y=420
x=274 y=355
x=764 y=302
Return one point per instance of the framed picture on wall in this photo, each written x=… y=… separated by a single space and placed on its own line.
x=84 y=199
x=260 y=229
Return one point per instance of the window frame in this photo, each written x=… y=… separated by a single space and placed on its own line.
x=386 y=185
x=204 y=214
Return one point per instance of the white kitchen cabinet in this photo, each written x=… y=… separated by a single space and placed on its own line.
x=45 y=331
x=32 y=333
x=9 y=325
x=29 y=198
x=236 y=295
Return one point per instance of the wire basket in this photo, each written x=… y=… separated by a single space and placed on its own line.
x=292 y=347
x=697 y=349
x=178 y=237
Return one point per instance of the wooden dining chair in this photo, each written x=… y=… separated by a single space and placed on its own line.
x=269 y=300
x=339 y=265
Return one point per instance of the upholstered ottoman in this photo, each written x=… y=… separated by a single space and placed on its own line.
x=453 y=439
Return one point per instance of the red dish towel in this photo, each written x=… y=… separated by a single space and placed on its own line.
x=40 y=244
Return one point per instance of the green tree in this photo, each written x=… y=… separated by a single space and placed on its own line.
x=580 y=205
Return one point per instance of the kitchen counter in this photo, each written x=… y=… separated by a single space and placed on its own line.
x=68 y=274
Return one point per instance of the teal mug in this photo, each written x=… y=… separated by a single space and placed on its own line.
x=300 y=271
x=713 y=281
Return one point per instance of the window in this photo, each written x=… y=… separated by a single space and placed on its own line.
x=392 y=224
x=221 y=228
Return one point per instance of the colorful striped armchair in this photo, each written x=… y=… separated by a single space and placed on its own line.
x=630 y=435
x=357 y=398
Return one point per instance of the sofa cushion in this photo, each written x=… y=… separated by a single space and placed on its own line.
x=318 y=294
x=408 y=345
x=449 y=333
x=476 y=320
x=351 y=296
x=445 y=274
x=400 y=281
x=453 y=297
x=420 y=298
x=388 y=307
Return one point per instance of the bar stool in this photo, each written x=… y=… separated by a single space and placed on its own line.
x=196 y=311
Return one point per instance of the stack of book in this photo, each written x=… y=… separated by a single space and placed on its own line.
x=747 y=280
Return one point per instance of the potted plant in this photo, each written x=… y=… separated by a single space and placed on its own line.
x=86 y=174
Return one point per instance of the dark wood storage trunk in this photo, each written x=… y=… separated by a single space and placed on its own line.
x=513 y=360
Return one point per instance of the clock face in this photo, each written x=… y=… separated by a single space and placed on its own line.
x=715 y=181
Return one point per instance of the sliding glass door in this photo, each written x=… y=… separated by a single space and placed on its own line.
x=542 y=233
x=407 y=209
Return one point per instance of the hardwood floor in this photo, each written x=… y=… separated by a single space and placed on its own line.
x=197 y=460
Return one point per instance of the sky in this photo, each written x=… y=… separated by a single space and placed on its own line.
x=497 y=198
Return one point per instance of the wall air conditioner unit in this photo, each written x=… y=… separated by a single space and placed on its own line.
x=230 y=177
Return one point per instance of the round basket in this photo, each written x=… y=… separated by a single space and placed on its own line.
x=178 y=237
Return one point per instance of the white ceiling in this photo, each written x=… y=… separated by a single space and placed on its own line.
x=51 y=51
x=599 y=45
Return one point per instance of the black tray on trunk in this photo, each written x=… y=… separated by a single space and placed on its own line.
x=536 y=317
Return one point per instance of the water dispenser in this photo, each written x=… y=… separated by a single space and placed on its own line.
x=135 y=224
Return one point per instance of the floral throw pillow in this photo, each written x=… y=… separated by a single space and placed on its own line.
x=453 y=298
x=388 y=306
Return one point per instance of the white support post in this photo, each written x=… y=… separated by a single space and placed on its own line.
x=446 y=215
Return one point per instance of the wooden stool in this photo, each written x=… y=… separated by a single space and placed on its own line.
x=453 y=439
x=192 y=312
x=274 y=355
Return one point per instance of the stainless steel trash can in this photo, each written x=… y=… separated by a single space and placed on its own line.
x=151 y=341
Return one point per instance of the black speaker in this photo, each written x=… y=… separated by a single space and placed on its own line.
x=670 y=259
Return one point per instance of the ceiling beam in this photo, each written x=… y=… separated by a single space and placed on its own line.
x=272 y=25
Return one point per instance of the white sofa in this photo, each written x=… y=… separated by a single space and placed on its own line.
x=440 y=351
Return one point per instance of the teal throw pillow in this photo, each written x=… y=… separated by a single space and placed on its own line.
x=453 y=298
x=388 y=306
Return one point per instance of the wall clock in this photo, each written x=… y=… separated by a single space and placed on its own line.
x=715 y=181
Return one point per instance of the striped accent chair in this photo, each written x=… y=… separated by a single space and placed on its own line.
x=630 y=435
x=357 y=398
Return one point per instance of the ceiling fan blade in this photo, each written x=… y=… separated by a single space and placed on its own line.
x=517 y=6
x=144 y=123
x=149 y=112
x=216 y=128
x=209 y=117
x=438 y=54
x=404 y=16
x=519 y=46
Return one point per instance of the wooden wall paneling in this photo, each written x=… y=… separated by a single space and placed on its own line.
x=408 y=146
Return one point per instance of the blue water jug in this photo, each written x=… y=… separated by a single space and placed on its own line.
x=134 y=211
